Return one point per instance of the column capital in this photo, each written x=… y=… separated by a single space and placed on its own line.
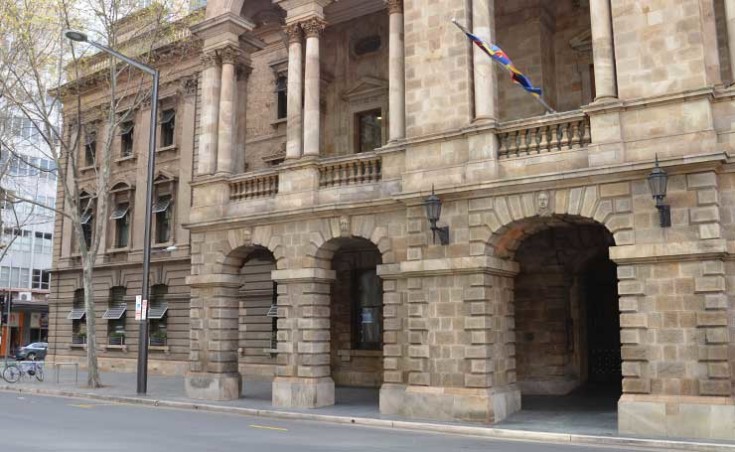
x=230 y=54
x=313 y=27
x=209 y=59
x=394 y=6
x=294 y=32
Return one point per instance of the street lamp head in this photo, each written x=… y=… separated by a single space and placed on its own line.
x=74 y=35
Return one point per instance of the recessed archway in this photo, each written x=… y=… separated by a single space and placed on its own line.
x=356 y=315
x=567 y=322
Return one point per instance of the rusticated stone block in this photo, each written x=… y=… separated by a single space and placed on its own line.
x=715 y=387
x=636 y=386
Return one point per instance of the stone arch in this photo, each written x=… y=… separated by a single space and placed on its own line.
x=509 y=219
x=324 y=242
x=239 y=244
x=218 y=7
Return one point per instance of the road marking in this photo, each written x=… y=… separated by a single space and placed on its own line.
x=82 y=405
x=266 y=427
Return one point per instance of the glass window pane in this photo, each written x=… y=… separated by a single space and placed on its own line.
x=369 y=131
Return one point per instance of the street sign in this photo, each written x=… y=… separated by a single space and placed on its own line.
x=138 y=306
x=144 y=310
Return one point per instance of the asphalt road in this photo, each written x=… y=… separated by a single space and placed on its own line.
x=39 y=423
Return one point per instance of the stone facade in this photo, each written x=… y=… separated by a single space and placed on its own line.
x=556 y=274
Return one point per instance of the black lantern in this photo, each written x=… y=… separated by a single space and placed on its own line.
x=657 y=181
x=433 y=212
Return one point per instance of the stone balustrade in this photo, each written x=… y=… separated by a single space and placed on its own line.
x=249 y=186
x=551 y=133
x=350 y=170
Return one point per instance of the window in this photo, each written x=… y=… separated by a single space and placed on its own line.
x=157 y=315
x=126 y=138
x=90 y=148
x=162 y=210
x=368 y=310
x=4 y=276
x=87 y=218
x=168 y=125
x=282 y=97
x=76 y=315
x=41 y=279
x=15 y=277
x=273 y=314
x=121 y=217
x=42 y=243
x=115 y=316
x=369 y=130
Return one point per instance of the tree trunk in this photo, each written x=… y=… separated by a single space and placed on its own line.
x=93 y=375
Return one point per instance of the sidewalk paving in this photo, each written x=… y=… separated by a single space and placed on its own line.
x=586 y=419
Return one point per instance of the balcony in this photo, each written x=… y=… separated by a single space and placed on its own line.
x=547 y=134
x=350 y=170
x=251 y=186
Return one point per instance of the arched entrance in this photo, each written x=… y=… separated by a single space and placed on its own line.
x=567 y=323
x=356 y=315
x=258 y=315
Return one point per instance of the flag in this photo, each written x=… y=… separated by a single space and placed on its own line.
x=497 y=54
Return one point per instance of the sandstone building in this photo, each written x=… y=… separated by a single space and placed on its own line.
x=307 y=136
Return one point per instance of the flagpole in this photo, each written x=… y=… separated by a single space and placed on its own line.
x=535 y=95
x=545 y=105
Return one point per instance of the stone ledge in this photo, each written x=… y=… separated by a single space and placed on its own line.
x=303 y=275
x=449 y=266
x=668 y=252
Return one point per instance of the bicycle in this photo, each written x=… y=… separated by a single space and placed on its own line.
x=14 y=371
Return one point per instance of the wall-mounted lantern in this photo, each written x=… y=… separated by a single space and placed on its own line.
x=657 y=181
x=433 y=212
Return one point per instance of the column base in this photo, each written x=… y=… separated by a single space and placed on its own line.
x=677 y=416
x=303 y=392
x=439 y=403
x=207 y=386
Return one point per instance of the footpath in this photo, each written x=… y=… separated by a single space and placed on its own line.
x=591 y=422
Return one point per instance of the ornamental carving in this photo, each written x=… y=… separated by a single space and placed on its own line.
x=229 y=55
x=209 y=59
x=294 y=33
x=313 y=27
x=543 y=204
x=188 y=86
x=395 y=6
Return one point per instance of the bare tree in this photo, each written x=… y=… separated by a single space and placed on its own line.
x=40 y=72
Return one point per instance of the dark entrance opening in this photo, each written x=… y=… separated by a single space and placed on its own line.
x=603 y=325
x=567 y=328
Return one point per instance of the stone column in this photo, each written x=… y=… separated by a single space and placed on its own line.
x=227 y=128
x=210 y=113
x=486 y=95
x=294 y=127
x=312 y=81
x=303 y=376
x=397 y=72
x=730 y=18
x=603 y=50
x=213 y=372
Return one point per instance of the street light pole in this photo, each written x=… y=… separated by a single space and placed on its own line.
x=142 y=381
